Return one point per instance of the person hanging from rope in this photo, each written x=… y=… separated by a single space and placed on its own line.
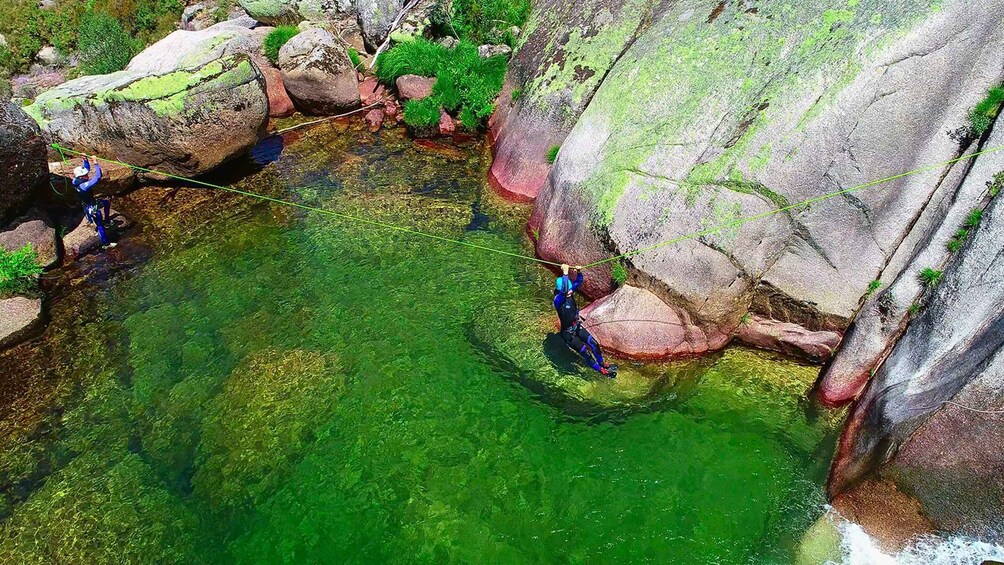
x=84 y=183
x=572 y=332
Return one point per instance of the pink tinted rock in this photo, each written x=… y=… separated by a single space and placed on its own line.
x=371 y=91
x=279 y=103
x=36 y=231
x=374 y=119
x=634 y=323
x=414 y=87
x=788 y=338
x=519 y=145
x=20 y=317
x=446 y=125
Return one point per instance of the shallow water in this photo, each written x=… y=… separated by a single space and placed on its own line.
x=256 y=384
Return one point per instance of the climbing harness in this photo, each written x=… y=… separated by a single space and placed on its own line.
x=710 y=231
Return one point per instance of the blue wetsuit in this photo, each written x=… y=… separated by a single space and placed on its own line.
x=572 y=332
x=92 y=207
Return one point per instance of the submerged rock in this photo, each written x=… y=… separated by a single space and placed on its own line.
x=704 y=121
x=185 y=122
x=20 y=317
x=318 y=73
x=23 y=154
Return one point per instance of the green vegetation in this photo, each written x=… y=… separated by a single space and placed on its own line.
x=421 y=113
x=913 y=309
x=28 y=27
x=619 y=274
x=994 y=185
x=873 y=287
x=931 y=277
x=972 y=222
x=466 y=84
x=104 y=45
x=18 y=270
x=276 y=39
x=552 y=153
x=357 y=63
x=516 y=94
x=983 y=115
x=480 y=21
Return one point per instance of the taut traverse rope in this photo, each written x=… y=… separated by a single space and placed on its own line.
x=713 y=230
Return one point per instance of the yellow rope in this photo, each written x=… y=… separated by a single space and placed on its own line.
x=314 y=209
x=713 y=230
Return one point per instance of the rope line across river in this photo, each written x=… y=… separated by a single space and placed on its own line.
x=695 y=235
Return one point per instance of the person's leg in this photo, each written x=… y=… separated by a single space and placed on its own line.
x=108 y=210
x=577 y=345
x=100 y=223
x=587 y=338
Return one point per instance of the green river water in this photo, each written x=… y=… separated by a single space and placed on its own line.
x=280 y=386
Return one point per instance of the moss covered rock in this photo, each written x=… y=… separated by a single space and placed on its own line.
x=717 y=112
x=283 y=12
x=184 y=122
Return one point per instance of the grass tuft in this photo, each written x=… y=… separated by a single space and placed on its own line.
x=19 y=270
x=974 y=218
x=983 y=115
x=357 y=63
x=422 y=113
x=619 y=274
x=552 y=154
x=931 y=277
x=872 y=287
x=276 y=39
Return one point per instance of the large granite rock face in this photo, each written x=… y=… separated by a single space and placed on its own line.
x=318 y=73
x=568 y=50
x=34 y=229
x=885 y=314
x=717 y=112
x=23 y=154
x=184 y=122
x=930 y=419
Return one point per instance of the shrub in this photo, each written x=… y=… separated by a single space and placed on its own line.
x=419 y=57
x=421 y=113
x=276 y=39
x=516 y=94
x=931 y=277
x=465 y=83
x=18 y=270
x=104 y=45
x=986 y=111
x=552 y=154
x=489 y=21
x=619 y=274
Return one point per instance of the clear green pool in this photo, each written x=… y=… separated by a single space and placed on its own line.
x=285 y=387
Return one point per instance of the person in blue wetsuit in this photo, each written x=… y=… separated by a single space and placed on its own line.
x=572 y=332
x=84 y=182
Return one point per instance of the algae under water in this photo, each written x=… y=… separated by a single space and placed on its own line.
x=262 y=385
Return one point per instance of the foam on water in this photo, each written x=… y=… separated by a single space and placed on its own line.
x=861 y=549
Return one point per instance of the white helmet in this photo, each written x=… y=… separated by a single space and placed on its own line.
x=80 y=172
